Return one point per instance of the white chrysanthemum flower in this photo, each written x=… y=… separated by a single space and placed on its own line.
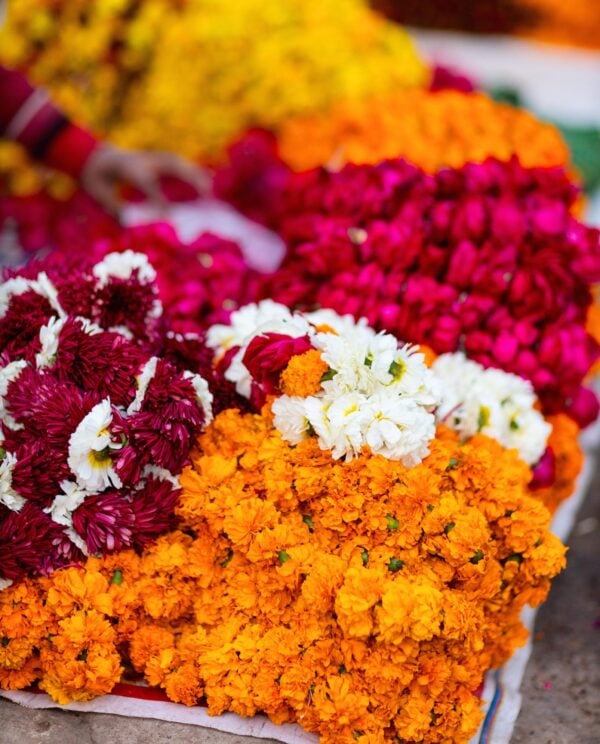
x=493 y=402
x=412 y=378
x=90 y=448
x=348 y=357
x=291 y=418
x=122 y=265
x=49 y=334
x=398 y=429
x=203 y=394
x=62 y=508
x=338 y=423
x=144 y=378
x=7 y=375
x=244 y=324
x=11 y=288
x=5 y=583
x=8 y=496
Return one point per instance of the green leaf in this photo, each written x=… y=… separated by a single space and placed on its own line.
x=395 y=564
x=117 y=578
x=452 y=463
x=392 y=523
x=227 y=559
x=477 y=557
x=364 y=556
x=328 y=375
x=283 y=556
x=308 y=521
x=449 y=527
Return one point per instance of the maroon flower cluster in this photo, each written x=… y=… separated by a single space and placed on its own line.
x=200 y=282
x=98 y=410
x=488 y=259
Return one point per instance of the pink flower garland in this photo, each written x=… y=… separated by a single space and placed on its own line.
x=487 y=258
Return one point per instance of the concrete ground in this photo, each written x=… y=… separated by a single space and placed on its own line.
x=561 y=690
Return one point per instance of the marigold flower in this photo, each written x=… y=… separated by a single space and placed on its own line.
x=432 y=130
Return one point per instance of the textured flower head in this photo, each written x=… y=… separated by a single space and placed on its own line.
x=493 y=402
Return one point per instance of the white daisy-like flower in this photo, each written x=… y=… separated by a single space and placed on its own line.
x=5 y=583
x=493 y=402
x=203 y=394
x=122 y=265
x=49 y=335
x=62 y=508
x=8 y=496
x=90 y=450
x=8 y=374
x=144 y=378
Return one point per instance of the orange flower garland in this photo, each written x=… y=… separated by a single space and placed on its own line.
x=447 y=128
x=363 y=599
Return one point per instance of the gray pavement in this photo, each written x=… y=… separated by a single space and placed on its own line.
x=561 y=689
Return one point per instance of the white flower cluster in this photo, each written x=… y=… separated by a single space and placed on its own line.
x=493 y=402
x=376 y=394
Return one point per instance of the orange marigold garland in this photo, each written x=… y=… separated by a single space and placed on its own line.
x=432 y=130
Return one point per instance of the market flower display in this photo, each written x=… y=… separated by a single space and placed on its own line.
x=431 y=130
x=359 y=597
x=333 y=575
x=97 y=415
x=487 y=259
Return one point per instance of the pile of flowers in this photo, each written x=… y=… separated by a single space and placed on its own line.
x=355 y=570
x=487 y=259
x=448 y=128
x=97 y=412
x=112 y=66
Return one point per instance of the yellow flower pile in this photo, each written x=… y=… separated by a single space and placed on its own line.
x=446 y=128
x=192 y=75
x=362 y=599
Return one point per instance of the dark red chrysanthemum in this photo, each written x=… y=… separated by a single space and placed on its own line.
x=50 y=409
x=103 y=363
x=20 y=325
x=28 y=542
x=105 y=522
x=153 y=507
